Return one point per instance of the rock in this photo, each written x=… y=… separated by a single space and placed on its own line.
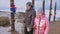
x=4 y=21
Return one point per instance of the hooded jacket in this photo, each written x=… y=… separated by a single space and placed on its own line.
x=41 y=25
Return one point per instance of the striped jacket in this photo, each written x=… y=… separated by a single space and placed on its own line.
x=41 y=26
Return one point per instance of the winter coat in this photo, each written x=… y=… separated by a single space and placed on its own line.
x=29 y=18
x=41 y=25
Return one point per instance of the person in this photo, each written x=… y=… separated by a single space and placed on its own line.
x=30 y=14
x=41 y=23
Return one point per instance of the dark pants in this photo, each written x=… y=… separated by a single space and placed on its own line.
x=26 y=32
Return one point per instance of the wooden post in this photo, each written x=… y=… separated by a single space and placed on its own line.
x=33 y=3
x=12 y=16
x=11 y=2
x=44 y=7
x=50 y=10
x=55 y=12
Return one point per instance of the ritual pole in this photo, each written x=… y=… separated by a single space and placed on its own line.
x=13 y=10
x=50 y=10
x=55 y=12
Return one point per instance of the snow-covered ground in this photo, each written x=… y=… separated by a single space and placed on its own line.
x=18 y=26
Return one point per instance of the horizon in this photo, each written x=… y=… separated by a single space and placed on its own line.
x=23 y=10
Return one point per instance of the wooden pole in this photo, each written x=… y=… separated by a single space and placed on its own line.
x=12 y=16
x=11 y=2
x=50 y=10
x=55 y=12
x=33 y=3
x=44 y=7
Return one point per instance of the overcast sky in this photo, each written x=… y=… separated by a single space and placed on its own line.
x=20 y=4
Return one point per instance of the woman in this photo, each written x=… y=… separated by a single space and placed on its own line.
x=29 y=18
x=41 y=23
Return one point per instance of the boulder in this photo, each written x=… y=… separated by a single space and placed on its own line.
x=4 y=21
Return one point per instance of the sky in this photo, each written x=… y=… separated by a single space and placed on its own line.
x=21 y=4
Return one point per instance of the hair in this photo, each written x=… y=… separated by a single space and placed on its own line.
x=30 y=4
x=40 y=10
